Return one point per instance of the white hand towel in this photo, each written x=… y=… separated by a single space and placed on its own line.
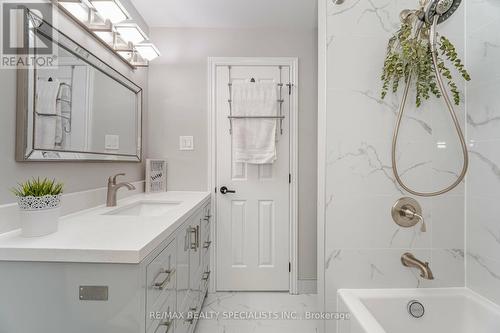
x=45 y=103
x=63 y=108
x=254 y=140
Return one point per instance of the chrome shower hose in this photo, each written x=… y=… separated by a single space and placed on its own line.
x=449 y=104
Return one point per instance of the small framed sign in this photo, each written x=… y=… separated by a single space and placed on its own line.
x=156 y=176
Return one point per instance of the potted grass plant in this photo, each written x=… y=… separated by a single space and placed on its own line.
x=39 y=205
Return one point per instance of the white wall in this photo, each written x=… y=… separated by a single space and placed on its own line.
x=178 y=99
x=75 y=176
x=483 y=131
x=362 y=244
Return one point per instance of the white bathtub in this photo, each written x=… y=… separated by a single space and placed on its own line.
x=446 y=311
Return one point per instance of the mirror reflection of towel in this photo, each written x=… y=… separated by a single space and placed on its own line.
x=63 y=108
x=254 y=140
x=45 y=106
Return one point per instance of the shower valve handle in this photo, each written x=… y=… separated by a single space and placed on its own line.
x=410 y=213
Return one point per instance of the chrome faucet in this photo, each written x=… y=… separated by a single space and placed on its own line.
x=409 y=260
x=113 y=187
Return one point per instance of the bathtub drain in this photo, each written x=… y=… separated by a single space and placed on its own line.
x=416 y=309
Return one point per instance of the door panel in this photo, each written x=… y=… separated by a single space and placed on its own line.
x=253 y=223
x=266 y=233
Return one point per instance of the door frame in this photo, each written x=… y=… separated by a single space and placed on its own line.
x=292 y=63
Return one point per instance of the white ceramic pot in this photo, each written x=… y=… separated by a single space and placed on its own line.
x=39 y=216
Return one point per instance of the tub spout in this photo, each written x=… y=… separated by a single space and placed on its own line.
x=409 y=260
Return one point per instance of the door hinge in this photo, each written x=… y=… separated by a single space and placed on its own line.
x=289 y=178
x=215 y=189
x=289 y=267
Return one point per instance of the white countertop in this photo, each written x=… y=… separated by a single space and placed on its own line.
x=91 y=237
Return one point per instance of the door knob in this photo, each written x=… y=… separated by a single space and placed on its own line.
x=225 y=190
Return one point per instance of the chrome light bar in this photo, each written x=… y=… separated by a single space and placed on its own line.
x=112 y=25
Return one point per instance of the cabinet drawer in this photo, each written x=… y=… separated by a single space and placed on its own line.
x=163 y=320
x=183 y=249
x=207 y=274
x=161 y=276
x=186 y=324
x=195 y=255
x=206 y=240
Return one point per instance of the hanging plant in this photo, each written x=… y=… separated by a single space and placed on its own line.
x=409 y=52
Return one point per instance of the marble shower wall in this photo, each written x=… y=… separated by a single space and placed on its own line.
x=483 y=126
x=363 y=244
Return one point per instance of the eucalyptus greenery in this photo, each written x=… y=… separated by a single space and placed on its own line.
x=409 y=54
x=38 y=188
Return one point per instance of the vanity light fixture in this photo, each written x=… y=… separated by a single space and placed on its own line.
x=111 y=10
x=133 y=57
x=76 y=8
x=131 y=33
x=147 y=51
x=109 y=22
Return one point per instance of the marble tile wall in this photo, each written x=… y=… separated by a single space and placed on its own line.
x=483 y=127
x=363 y=244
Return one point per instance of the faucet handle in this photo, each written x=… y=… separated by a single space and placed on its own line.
x=112 y=179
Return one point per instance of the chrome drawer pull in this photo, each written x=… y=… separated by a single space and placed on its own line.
x=207 y=244
x=206 y=276
x=163 y=278
x=198 y=237
x=194 y=231
x=166 y=324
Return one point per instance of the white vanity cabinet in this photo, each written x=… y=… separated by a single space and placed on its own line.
x=192 y=260
x=177 y=279
x=79 y=297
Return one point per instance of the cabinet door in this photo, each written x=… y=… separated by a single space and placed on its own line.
x=195 y=257
x=183 y=250
x=206 y=240
x=188 y=322
x=160 y=277
x=166 y=321
x=206 y=275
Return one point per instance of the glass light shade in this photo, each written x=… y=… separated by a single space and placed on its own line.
x=110 y=10
x=147 y=51
x=131 y=33
x=77 y=9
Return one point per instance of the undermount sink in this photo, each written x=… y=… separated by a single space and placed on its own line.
x=145 y=208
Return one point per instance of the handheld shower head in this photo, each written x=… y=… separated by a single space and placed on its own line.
x=443 y=8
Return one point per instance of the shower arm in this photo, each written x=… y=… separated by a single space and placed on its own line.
x=449 y=104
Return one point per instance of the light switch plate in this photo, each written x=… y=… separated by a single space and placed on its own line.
x=112 y=142
x=186 y=143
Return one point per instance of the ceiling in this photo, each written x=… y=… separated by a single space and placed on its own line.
x=253 y=14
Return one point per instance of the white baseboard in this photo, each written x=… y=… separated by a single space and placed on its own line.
x=308 y=286
x=71 y=203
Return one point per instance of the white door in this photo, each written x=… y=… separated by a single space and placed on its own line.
x=253 y=223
